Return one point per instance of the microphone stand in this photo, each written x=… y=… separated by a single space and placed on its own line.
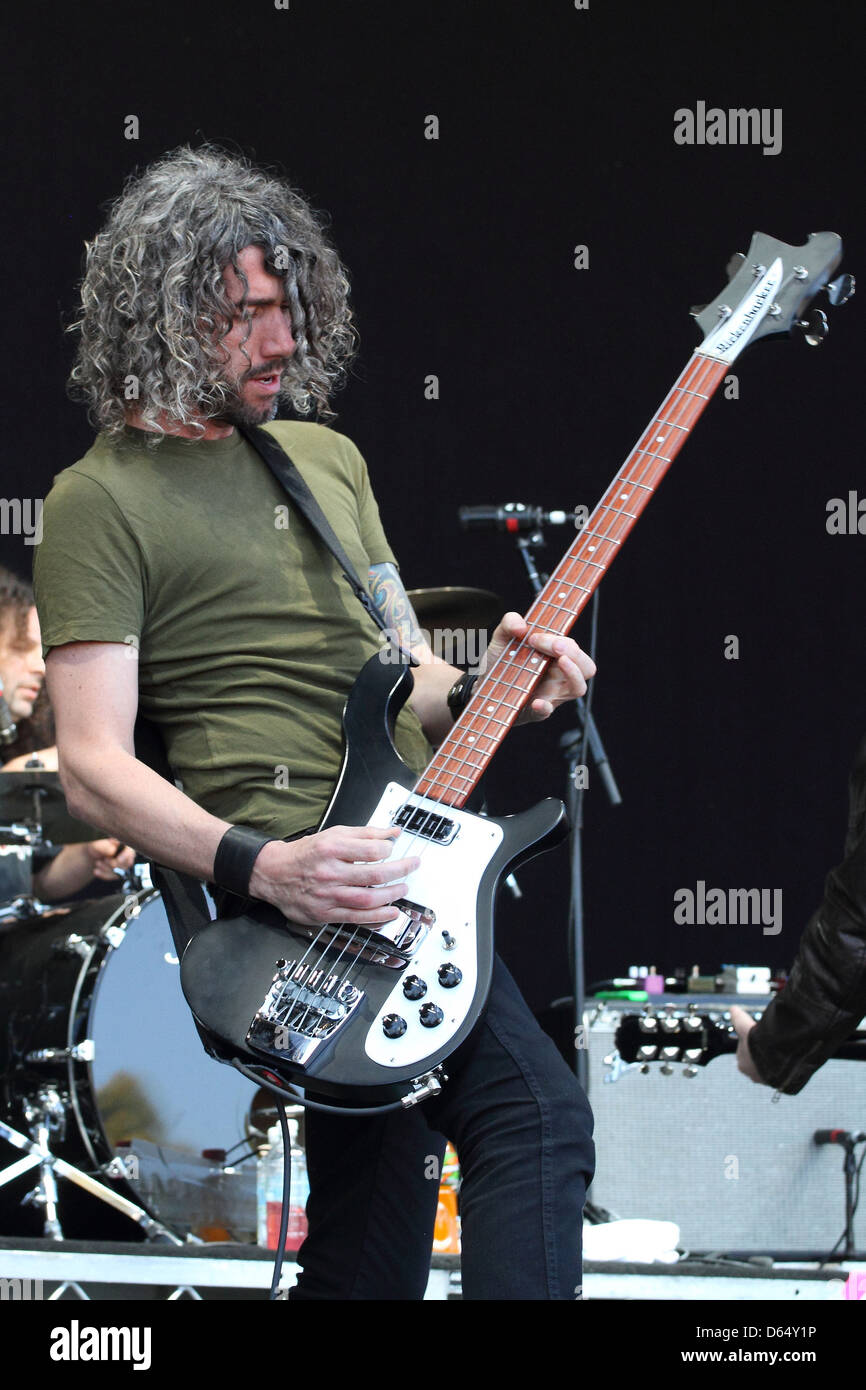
x=849 y=1170
x=575 y=744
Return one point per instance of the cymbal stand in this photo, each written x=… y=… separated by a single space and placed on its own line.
x=46 y=1115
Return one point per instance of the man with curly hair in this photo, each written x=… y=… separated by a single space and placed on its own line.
x=168 y=582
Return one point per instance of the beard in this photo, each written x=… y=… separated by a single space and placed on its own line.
x=240 y=412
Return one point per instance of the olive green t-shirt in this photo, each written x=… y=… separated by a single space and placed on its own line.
x=249 y=638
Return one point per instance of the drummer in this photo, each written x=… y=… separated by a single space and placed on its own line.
x=59 y=872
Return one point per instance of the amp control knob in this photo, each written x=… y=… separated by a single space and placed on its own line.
x=393 y=1026
x=414 y=988
x=449 y=976
x=431 y=1015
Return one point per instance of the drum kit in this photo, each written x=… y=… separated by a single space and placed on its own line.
x=103 y=1079
x=104 y=1083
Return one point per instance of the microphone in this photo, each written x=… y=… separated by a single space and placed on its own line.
x=510 y=516
x=839 y=1136
x=8 y=727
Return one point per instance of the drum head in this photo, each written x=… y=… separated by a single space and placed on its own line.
x=151 y=1077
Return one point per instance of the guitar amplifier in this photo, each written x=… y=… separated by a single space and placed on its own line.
x=732 y=1163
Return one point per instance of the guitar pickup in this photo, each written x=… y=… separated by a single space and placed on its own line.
x=407 y=931
x=429 y=825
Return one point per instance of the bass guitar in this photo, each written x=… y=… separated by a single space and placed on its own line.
x=372 y=1015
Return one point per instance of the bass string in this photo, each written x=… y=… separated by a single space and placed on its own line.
x=332 y=968
x=352 y=929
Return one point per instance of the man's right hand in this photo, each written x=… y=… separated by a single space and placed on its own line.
x=337 y=875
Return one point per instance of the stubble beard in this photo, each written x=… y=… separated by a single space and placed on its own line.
x=240 y=412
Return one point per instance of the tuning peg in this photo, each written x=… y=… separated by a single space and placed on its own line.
x=734 y=264
x=840 y=290
x=815 y=327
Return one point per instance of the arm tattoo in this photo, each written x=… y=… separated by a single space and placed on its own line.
x=388 y=593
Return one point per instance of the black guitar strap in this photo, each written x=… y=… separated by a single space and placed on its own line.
x=287 y=474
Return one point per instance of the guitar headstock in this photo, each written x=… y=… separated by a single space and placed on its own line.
x=675 y=1037
x=770 y=291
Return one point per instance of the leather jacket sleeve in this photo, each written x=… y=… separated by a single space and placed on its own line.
x=825 y=997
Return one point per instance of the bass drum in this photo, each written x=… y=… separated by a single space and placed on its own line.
x=91 y=1012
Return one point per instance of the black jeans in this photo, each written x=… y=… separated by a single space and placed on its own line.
x=522 y=1128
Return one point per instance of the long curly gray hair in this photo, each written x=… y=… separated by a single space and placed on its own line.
x=154 y=307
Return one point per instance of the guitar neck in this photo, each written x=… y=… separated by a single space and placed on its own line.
x=503 y=691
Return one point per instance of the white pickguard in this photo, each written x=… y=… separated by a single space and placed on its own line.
x=446 y=881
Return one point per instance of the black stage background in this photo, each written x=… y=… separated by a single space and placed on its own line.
x=556 y=129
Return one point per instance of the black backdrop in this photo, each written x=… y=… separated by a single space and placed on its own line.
x=555 y=129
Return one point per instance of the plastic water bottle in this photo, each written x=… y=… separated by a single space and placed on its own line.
x=269 y=1185
x=297 y=1232
x=270 y=1191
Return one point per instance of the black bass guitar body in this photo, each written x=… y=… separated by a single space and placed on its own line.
x=354 y=1012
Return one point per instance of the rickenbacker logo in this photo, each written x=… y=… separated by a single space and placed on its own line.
x=742 y=324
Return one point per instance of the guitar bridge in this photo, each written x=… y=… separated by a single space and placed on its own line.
x=304 y=1007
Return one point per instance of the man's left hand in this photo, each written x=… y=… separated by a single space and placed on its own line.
x=566 y=676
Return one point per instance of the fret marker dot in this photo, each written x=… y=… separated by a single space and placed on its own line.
x=562 y=595
x=533 y=661
x=660 y=439
x=514 y=653
x=490 y=709
x=590 y=547
x=471 y=738
x=623 y=497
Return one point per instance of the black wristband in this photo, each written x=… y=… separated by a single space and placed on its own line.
x=458 y=695
x=236 y=853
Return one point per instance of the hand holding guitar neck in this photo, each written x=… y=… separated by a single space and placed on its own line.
x=569 y=667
